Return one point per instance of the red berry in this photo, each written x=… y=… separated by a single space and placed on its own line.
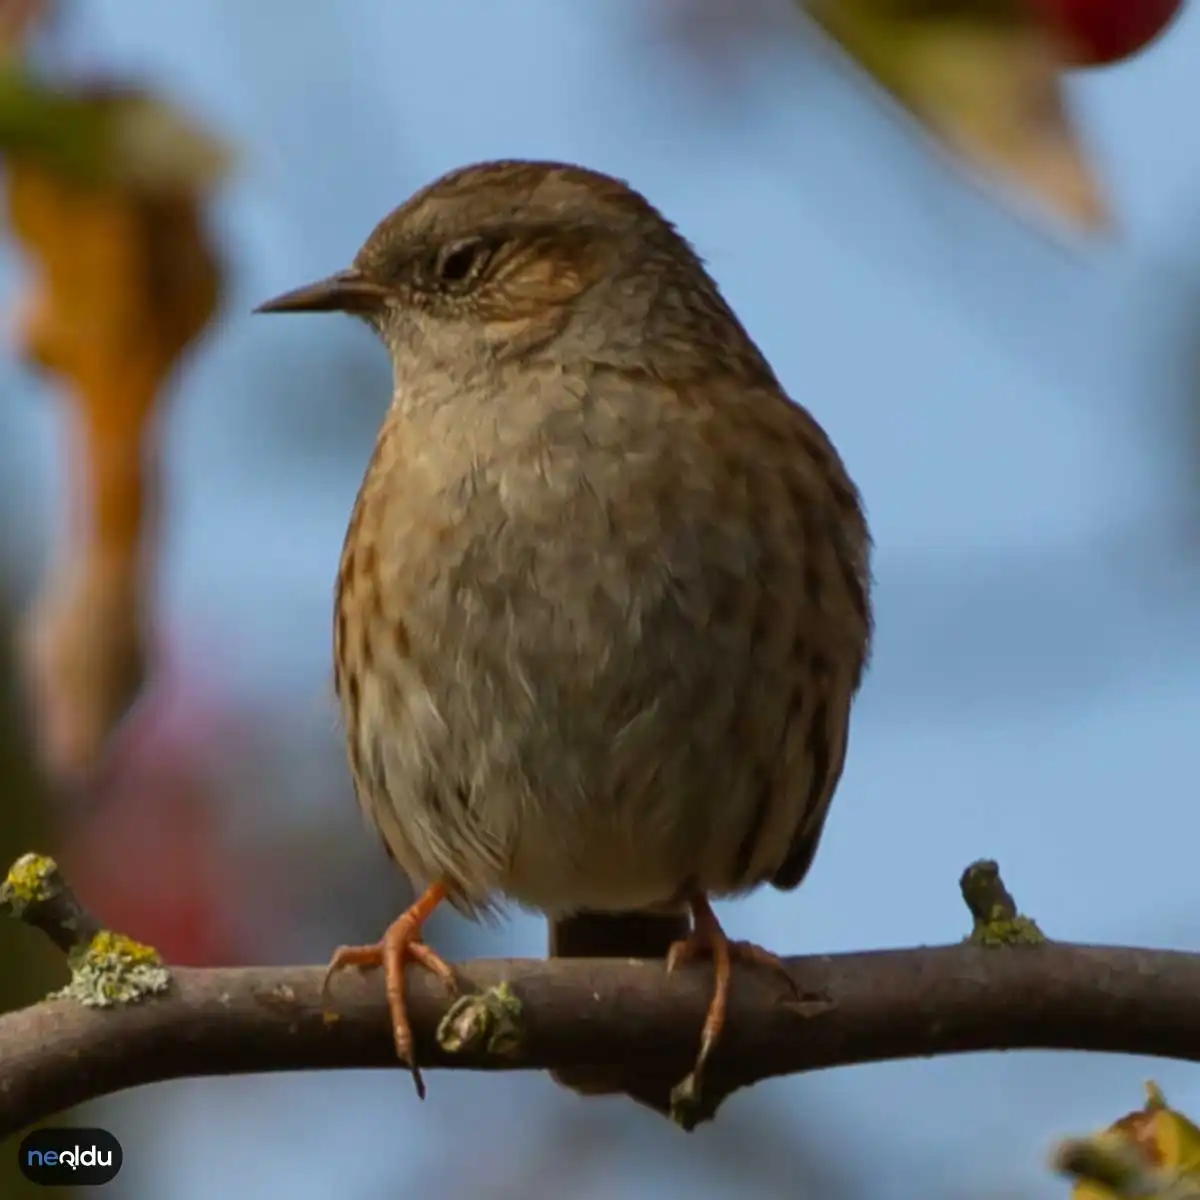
x=1099 y=32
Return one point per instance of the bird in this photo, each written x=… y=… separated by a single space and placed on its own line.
x=604 y=601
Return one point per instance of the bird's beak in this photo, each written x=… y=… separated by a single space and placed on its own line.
x=347 y=291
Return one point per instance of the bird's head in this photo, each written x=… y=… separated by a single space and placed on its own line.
x=503 y=258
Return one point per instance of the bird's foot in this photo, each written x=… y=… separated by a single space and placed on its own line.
x=400 y=945
x=708 y=940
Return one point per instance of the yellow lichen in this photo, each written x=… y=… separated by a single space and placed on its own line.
x=1002 y=929
x=32 y=879
x=115 y=969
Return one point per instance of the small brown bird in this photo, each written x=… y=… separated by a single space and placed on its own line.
x=604 y=600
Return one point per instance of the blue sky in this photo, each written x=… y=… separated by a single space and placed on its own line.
x=1002 y=398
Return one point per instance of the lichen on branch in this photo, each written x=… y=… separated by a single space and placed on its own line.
x=107 y=968
x=997 y=920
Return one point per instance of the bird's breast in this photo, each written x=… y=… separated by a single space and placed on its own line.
x=581 y=643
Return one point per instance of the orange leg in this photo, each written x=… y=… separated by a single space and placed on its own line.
x=708 y=939
x=400 y=944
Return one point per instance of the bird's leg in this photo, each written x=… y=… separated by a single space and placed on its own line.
x=400 y=945
x=708 y=939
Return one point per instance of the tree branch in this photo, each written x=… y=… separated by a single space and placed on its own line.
x=853 y=1008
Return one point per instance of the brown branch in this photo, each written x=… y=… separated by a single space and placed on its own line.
x=854 y=1008
x=36 y=893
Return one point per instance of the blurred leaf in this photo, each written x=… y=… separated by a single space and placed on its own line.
x=985 y=79
x=1152 y=1153
x=125 y=280
x=105 y=134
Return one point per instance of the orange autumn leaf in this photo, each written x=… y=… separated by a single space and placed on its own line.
x=123 y=279
x=984 y=78
x=1153 y=1152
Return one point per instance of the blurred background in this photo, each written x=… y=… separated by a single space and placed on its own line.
x=1021 y=409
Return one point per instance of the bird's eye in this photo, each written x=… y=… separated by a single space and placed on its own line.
x=462 y=260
